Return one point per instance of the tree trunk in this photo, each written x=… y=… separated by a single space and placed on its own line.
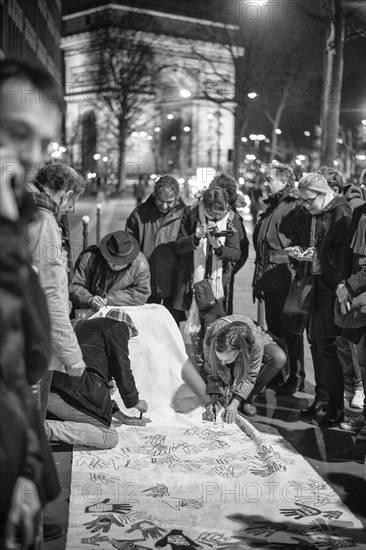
x=332 y=85
x=121 y=156
x=276 y=122
x=240 y=126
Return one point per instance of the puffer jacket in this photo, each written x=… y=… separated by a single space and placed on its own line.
x=156 y=234
x=273 y=271
x=50 y=260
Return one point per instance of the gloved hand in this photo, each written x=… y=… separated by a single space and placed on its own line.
x=257 y=295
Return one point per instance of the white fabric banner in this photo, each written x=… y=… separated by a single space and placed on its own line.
x=184 y=484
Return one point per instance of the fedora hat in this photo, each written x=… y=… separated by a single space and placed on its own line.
x=119 y=248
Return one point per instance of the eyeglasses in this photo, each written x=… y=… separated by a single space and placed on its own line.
x=309 y=202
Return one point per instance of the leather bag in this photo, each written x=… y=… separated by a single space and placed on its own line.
x=301 y=297
x=203 y=295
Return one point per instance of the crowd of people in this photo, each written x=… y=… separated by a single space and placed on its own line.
x=59 y=368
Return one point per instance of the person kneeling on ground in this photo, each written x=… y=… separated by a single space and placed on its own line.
x=115 y=273
x=84 y=405
x=240 y=359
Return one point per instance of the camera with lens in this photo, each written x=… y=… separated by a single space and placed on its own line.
x=216 y=233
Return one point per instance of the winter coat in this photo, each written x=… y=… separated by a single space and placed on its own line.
x=92 y=276
x=50 y=259
x=273 y=271
x=24 y=356
x=104 y=343
x=185 y=247
x=243 y=378
x=331 y=231
x=156 y=234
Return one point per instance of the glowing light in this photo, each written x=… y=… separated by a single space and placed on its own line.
x=55 y=145
x=157 y=129
x=361 y=157
x=363 y=122
x=96 y=156
x=181 y=180
x=143 y=134
x=185 y=93
x=186 y=129
x=278 y=131
x=307 y=133
x=170 y=116
x=149 y=138
x=210 y=116
x=62 y=149
x=253 y=137
x=250 y=157
x=261 y=137
x=252 y=95
x=105 y=159
x=301 y=157
x=153 y=176
x=170 y=162
x=340 y=140
x=298 y=162
x=134 y=134
x=244 y=139
x=86 y=220
x=173 y=138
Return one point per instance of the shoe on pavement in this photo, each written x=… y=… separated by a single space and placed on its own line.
x=315 y=409
x=361 y=436
x=332 y=419
x=357 y=399
x=51 y=531
x=353 y=424
x=248 y=409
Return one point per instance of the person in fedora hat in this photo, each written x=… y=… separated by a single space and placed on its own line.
x=115 y=273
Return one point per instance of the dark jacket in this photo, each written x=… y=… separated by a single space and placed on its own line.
x=185 y=247
x=24 y=356
x=92 y=276
x=331 y=231
x=156 y=234
x=273 y=271
x=104 y=343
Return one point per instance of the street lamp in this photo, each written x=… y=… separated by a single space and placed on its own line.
x=96 y=156
x=185 y=93
x=252 y=95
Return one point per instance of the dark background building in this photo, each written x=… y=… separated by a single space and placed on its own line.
x=30 y=30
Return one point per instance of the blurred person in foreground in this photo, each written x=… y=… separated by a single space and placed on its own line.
x=350 y=355
x=155 y=225
x=82 y=410
x=115 y=273
x=227 y=182
x=273 y=272
x=30 y=115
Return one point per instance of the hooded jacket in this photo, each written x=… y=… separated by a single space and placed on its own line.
x=156 y=234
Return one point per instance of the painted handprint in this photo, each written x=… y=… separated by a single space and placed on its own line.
x=211 y=539
x=148 y=529
x=191 y=431
x=229 y=471
x=94 y=462
x=94 y=540
x=265 y=528
x=190 y=449
x=104 y=522
x=160 y=490
x=104 y=478
x=185 y=503
x=268 y=469
x=106 y=506
x=302 y=511
x=126 y=544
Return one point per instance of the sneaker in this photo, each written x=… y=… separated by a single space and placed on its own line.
x=354 y=424
x=357 y=399
x=361 y=436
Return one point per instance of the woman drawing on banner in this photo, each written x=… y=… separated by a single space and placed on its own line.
x=240 y=359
